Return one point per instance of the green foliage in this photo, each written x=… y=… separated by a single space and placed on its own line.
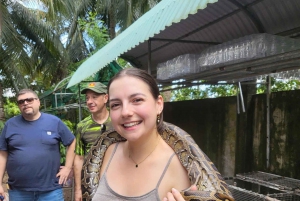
x=73 y=66
x=1 y=126
x=213 y=91
x=279 y=85
x=123 y=63
x=94 y=29
x=222 y=90
x=190 y=93
x=11 y=109
x=201 y=92
x=62 y=148
x=69 y=124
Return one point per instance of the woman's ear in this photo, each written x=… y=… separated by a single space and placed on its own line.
x=160 y=104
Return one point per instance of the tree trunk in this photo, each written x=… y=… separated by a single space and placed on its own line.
x=112 y=21
x=2 y=114
x=0 y=22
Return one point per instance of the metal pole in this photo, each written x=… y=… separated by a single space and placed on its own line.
x=149 y=56
x=79 y=102
x=237 y=100
x=268 y=120
x=55 y=100
x=242 y=98
x=79 y=118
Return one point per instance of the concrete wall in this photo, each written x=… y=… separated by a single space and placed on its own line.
x=236 y=143
x=284 y=134
x=212 y=123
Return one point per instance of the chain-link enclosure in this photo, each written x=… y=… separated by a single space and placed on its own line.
x=256 y=186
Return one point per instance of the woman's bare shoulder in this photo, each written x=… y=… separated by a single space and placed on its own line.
x=176 y=176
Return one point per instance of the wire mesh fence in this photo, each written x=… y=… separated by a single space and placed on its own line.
x=241 y=194
x=285 y=196
x=271 y=181
x=256 y=186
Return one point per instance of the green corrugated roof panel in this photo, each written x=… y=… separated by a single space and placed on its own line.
x=162 y=15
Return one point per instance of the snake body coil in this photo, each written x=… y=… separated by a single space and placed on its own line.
x=201 y=171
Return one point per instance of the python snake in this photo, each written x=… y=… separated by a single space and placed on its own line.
x=201 y=171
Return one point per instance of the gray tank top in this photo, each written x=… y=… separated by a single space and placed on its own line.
x=104 y=192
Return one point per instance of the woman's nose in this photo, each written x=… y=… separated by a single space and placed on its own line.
x=126 y=110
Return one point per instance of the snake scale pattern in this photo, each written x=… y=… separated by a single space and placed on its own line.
x=202 y=172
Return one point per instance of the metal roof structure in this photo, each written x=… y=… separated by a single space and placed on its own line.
x=177 y=27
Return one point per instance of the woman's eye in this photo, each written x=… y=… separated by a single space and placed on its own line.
x=114 y=105
x=137 y=100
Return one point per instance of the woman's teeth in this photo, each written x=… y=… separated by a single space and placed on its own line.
x=131 y=124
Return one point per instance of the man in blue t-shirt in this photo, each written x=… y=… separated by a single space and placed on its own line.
x=29 y=151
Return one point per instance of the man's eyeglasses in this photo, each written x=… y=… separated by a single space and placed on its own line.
x=28 y=100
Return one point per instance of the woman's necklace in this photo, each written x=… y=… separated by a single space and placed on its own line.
x=137 y=164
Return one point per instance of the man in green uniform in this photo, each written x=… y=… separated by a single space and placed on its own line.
x=90 y=128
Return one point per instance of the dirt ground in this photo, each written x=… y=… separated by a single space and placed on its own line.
x=67 y=190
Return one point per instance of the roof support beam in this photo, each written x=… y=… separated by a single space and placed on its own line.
x=292 y=33
x=172 y=41
x=185 y=41
x=203 y=27
x=259 y=26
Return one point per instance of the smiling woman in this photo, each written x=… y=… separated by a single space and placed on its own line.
x=146 y=149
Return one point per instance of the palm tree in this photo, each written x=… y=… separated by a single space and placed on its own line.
x=31 y=45
x=116 y=14
x=31 y=48
x=31 y=42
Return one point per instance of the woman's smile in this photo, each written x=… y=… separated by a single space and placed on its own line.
x=131 y=124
